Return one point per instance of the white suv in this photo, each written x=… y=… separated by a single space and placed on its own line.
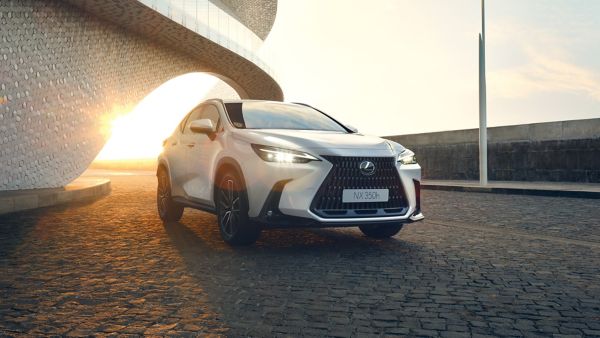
x=262 y=164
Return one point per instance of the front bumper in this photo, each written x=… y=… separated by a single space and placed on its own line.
x=272 y=217
x=280 y=195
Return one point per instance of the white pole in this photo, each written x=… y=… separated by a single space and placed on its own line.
x=483 y=177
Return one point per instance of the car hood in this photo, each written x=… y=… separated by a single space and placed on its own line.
x=314 y=139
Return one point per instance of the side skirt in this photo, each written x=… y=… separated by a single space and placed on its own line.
x=195 y=205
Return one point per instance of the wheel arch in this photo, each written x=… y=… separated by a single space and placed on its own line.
x=224 y=164
x=162 y=163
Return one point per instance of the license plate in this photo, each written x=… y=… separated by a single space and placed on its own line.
x=365 y=195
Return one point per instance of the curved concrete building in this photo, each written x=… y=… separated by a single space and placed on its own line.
x=68 y=66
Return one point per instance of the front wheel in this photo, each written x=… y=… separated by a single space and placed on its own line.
x=232 y=211
x=381 y=231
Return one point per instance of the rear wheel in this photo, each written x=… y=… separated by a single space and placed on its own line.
x=168 y=210
x=231 y=201
x=381 y=231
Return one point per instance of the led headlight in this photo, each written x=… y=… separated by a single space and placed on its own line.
x=273 y=154
x=407 y=157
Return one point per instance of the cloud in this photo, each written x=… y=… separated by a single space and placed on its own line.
x=545 y=67
x=543 y=73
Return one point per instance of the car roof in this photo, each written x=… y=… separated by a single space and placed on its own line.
x=244 y=100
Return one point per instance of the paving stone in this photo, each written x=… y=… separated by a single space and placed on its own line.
x=110 y=267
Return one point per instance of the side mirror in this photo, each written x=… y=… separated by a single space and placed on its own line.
x=352 y=128
x=203 y=126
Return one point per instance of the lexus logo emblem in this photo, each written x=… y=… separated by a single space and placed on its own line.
x=367 y=168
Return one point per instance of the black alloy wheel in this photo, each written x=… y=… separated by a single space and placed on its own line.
x=232 y=211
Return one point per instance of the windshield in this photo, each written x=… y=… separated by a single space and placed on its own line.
x=275 y=115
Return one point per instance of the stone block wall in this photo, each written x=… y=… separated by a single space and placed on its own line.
x=565 y=151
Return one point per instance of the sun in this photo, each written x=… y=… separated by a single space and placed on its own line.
x=139 y=134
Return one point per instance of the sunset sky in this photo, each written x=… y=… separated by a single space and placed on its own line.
x=407 y=66
x=391 y=67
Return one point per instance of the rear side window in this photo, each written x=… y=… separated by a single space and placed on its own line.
x=182 y=123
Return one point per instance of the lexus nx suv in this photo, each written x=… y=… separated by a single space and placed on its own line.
x=265 y=164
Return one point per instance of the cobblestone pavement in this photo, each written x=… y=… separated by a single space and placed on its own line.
x=516 y=266
x=576 y=218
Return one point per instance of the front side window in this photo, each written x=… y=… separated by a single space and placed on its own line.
x=212 y=113
x=275 y=115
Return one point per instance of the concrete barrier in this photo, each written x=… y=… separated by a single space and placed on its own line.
x=564 y=151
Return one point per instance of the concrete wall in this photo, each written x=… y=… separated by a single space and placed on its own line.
x=567 y=151
x=65 y=71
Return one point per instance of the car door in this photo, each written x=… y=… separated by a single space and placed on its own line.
x=180 y=154
x=203 y=150
x=175 y=154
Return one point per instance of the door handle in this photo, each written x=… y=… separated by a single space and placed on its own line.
x=190 y=145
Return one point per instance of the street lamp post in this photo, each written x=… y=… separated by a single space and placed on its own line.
x=483 y=179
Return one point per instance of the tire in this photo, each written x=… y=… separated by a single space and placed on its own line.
x=231 y=201
x=168 y=210
x=381 y=231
